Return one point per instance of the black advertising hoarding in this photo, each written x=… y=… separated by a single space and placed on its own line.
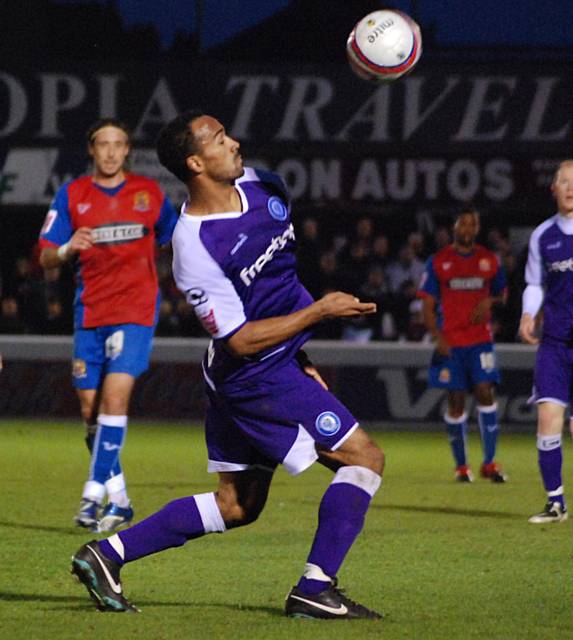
x=488 y=133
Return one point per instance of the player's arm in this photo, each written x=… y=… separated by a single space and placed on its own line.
x=257 y=335
x=498 y=295
x=533 y=294
x=51 y=257
x=431 y=322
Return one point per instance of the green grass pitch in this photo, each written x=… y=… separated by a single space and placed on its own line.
x=441 y=560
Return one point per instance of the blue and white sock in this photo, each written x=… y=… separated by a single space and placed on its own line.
x=107 y=447
x=457 y=430
x=489 y=429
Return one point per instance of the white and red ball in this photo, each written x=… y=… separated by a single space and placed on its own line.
x=384 y=45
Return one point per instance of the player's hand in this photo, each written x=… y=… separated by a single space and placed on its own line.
x=81 y=240
x=312 y=371
x=527 y=329
x=343 y=305
x=442 y=345
x=481 y=311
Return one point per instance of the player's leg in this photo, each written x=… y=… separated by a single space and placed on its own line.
x=550 y=460
x=238 y=501
x=87 y=371
x=552 y=388
x=456 y=419
x=449 y=373
x=106 y=471
x=489 y=431
x=127 y=352
x=358 y=463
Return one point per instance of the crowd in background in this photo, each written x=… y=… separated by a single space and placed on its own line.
x=362 y=260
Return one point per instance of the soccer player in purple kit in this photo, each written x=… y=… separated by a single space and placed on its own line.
x=459 y=286
x=234 y=258
x=108 y=223
x=549 y=288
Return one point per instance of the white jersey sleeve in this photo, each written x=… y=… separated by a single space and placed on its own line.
x=205 y=286
x=534 y=269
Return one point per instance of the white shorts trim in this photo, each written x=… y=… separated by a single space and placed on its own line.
x=302 y=454
x=345 y=437
x=553 y=400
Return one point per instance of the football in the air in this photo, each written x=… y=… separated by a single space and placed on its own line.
x=384 y=45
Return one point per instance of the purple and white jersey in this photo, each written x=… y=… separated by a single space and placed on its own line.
x=238 y=267
x=550 y=265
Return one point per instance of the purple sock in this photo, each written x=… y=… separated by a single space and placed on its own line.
x=340 y=520
x=550 y=459
x=172 y=526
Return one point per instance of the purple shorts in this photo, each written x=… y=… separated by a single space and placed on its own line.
x=277 y=420
x=553 y=378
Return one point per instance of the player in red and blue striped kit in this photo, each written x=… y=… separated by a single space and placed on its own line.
x=459 y=286
x=109 y=224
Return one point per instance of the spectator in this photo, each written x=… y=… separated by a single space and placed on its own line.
x=56 y=322
x=441 y=238
x=11 y=322
x=380 y=255
x=167 y=321
x=308 y=256
x=406 y=268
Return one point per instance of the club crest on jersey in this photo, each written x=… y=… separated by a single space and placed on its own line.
x=445 y=376
x=141 y=201
x=328 y=423
x=79 y=368
x=484 y=264
x=277 y=208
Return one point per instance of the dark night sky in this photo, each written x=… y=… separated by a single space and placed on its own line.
x=457 y=22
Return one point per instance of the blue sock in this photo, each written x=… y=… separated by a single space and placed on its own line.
x=107 y=447
x=550 y=459
x=457 y=429
x=340 y=519
x=90 y=439
x=489 y=429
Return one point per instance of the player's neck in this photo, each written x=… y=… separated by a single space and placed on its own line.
x=206 y=201
x=465 y=249
x=109 y=182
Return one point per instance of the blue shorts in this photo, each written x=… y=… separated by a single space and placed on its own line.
x=276 y=420
x=118 y=348
x=553 y=378
x=464 y=368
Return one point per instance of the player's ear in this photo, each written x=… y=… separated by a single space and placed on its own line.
x=194 y=163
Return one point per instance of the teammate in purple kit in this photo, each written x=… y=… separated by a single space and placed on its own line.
x=234 y=258
x=549 y=279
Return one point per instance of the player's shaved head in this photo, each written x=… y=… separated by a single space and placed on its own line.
x=176 y=142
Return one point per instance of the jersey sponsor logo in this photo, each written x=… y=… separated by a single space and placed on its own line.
x=328 y=423
x=196 y=296
x=84 y=207
x=277 y=208
x=79 y=368
x=466 y=284
x=561 y=266
x=119 y=233
x=141 y=201
x=278 y=243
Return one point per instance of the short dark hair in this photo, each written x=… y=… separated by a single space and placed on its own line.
x=107 y=122
x=176 y=143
